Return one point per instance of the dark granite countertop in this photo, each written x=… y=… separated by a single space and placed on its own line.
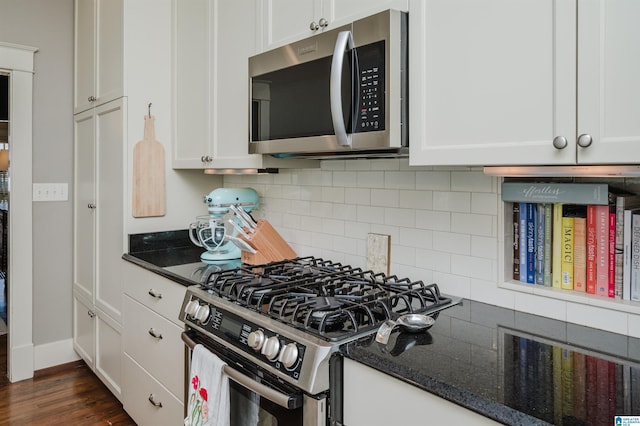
x=513 y=367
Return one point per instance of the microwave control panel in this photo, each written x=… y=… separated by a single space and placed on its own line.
x=371 y=112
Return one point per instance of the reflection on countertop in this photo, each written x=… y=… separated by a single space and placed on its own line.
x=514 y=367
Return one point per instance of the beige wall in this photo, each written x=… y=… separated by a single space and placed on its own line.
x=48 y=25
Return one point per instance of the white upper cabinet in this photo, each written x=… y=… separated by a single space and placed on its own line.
x=213 y=41
x=99 y=52
x=608 y=83
x=493 y=82
x=289 y=20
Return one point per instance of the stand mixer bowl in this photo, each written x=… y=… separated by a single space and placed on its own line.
x=210 y=231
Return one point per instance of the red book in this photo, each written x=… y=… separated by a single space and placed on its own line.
x=591 y=250
x=612 y=255
x=602 y=250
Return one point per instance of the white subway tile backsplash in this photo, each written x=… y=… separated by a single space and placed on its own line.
x=346 y=179
x=437 y=221
x=453 y=284
x=332 y=227
x=422 y=200
x=452 y=201
x=473 y=224
x=321 y=240
x=385 y=197
x=539 y=305
x=634 y=325
x=433 y=180
x=345 y=245
x=473 y=267
x=357 y=230
x=391 y=230
x=419 y=238
x=371 y=214
x=433 y=260
x=452 y=243
x=311 y=193
x=484 y=247
x=335 y=165
x=400 y=180
x=358 y=196
x=344 y=212
x=484 y=203
x=333 y=195
x=386 y=163
x=594 y=317
x=404 y=217
x=403 y=255
x=373 y=179
x=358 y=165
x=471 y=181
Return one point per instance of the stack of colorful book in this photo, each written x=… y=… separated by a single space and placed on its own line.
x=576 y=236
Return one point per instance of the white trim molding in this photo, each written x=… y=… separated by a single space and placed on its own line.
x=18 y=61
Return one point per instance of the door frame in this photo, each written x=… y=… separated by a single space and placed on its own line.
x=18 y=61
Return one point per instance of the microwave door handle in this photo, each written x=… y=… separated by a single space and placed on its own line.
x=344 y=41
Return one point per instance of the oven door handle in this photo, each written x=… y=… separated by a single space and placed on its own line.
x=272 y=395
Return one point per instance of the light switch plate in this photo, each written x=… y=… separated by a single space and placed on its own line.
x=378 y=252
x=50 y=192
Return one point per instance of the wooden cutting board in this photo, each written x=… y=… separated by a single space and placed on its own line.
x=148 y=174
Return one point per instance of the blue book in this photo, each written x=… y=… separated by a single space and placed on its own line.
x=531 y=243
x=523 y=242
x=540 y=224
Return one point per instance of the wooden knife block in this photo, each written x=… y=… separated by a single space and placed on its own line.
x=270 y=246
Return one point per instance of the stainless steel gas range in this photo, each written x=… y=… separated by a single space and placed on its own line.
x=279 y=327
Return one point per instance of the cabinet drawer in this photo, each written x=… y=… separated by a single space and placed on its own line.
x=162 y=357
x=139 y=387
x=158 y=293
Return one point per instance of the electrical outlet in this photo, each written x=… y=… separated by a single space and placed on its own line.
x=50 y=192
x=378 y=252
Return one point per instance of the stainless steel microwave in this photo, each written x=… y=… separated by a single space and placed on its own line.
x=341 y=93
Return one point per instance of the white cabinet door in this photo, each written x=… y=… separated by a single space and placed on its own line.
x=84 y=205
x=492 y=81
x=285 y=21
x=214 y=40
x=288 y=20
x=99 y=52
x=109 y=352
x=111 y=242
x=84 y=54
x=84 y=329
x=608 y=83
x=401 y=403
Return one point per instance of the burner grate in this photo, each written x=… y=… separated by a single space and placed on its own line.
x=327 y=299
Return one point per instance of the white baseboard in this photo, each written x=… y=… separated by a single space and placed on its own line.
x=20 y=363
x=54 y=353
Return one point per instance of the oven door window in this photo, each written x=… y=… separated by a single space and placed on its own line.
x=250 y=409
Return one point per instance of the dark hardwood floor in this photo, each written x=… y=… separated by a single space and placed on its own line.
x=65 y=395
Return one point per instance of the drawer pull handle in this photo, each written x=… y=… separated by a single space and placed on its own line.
x=153 y=402
x=153 y=333
x=153 y=293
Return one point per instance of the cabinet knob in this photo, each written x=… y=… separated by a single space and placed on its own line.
x=206 y=159
x=323 y=23
x=313 y=26
x=91 y=98
x=155 y=335
x=560 y=142
x=584 y=140
x=91 y=314
x=153 y=401
x=155 y=294
x=91 y=206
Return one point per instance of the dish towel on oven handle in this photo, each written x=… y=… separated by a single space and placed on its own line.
x=208 y=403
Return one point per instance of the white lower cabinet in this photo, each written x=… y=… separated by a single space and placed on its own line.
x=146 y=400
x=154 y=354
x=397 y=403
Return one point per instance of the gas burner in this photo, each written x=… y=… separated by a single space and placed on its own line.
x=324 y=298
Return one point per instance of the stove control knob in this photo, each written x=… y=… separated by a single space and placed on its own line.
x=289 y=355
x=191 y=308
x=271 y=348
x=255 y=340
x=202 y=314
